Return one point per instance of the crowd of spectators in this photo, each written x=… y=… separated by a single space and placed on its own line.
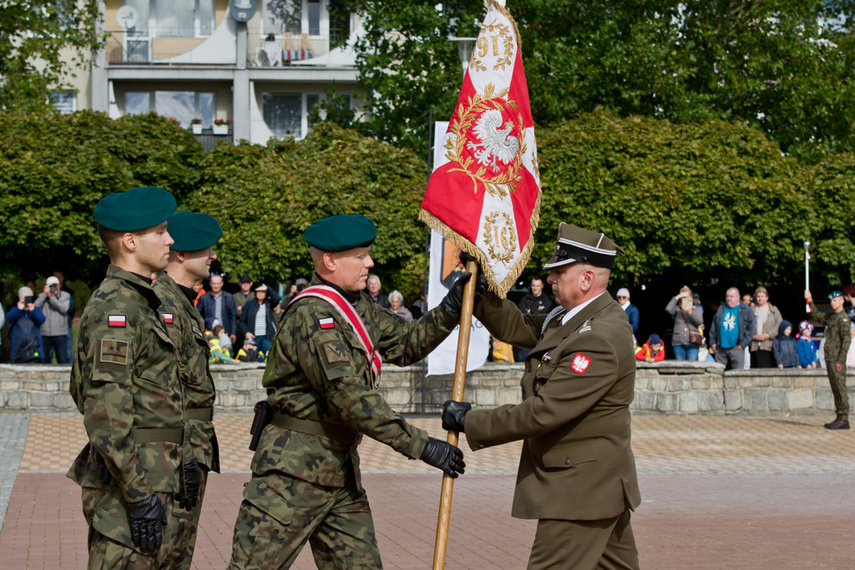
x=746 y=330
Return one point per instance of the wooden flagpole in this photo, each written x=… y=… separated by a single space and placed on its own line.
x=456 y=395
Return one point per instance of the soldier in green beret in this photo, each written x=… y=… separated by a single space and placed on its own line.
x=189 y=262
x=321 y=380
x=124 y=381
x=837 y=341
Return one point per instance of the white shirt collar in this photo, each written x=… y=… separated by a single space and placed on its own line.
x=576 y=310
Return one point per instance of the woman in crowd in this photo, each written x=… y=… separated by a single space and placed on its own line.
x=687 y=318
x=768 y=320
x=396 y=303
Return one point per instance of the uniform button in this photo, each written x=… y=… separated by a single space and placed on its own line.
x=566 y=462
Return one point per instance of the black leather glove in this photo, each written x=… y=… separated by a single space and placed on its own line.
x=192 y=481
x=147 y=519
x=453 y=415
x=443 y=456
x=465 y=258
x=453 y=301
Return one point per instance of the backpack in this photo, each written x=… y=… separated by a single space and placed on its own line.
x=27 y=335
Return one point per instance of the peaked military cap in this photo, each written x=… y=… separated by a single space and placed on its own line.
x=577 y=244
x=193 y=232
x=136 y=209
x=340 y=233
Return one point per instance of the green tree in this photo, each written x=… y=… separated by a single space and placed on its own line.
x=42 y=42
x=697 y=203
x=55 y=168
x=783 y=66
x=407 y=66
x=266 y=196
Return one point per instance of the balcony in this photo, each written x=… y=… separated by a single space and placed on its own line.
x=220 y=48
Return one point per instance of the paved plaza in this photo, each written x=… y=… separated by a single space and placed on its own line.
x=717 y=493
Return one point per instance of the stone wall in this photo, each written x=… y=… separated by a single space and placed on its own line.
x=669 y=387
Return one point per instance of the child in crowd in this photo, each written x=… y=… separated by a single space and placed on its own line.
x=785 y=348
x=652 y=350
x=806 y=348
x=220 y=345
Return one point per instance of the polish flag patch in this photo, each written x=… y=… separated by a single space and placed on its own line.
x=116 y=321
x=326 y=323
x=580 y=363
x=168 y=317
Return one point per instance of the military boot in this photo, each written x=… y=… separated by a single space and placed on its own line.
x=838 y=424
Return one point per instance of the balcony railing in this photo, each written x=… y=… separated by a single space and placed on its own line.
x=275 y=50
x=142 y=48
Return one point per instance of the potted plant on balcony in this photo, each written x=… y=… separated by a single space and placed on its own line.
x=221 y=126
x=197 y=125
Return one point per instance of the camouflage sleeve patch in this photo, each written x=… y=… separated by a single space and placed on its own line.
x=113 y=353
x=336 y=351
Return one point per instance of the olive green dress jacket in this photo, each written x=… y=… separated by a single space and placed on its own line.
x=577 y=462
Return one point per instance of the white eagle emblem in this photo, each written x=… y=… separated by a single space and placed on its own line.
x=495 y=140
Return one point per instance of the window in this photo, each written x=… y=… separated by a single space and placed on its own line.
x=294 y=16
x=182 y=106
x=314 y=17
x=173 y=18
x=64 y=101
x=281 y=16
x=283 y=114
x=311 y=101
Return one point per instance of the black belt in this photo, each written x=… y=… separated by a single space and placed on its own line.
x=203 y=414
x=152 y=435
x=314 y=427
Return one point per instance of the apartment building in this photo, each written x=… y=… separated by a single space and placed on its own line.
x=257 y=65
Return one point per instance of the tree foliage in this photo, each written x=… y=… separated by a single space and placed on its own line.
x=696 y=203
x=55 y=168
x=782 y=66
x=265 y=198
x=407 y=66
x=42 y=42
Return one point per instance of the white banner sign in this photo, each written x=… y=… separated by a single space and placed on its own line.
x=444 y=268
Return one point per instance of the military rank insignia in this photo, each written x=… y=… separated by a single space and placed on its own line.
x=580 y=363
x=326 y=323
x=113 y=352
x=168 y=318
x=116 y=321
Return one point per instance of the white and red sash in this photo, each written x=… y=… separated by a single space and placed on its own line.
x=350 y=315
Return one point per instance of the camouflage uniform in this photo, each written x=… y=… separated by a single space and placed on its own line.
x=185 y=327
x=124 y=382
x=837 y=341
x=308 y=487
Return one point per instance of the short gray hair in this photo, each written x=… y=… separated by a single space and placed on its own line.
x=397 y=294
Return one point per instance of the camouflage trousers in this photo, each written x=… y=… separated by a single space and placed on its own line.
x=110 y=544
x=280 y=513
x=838 y=390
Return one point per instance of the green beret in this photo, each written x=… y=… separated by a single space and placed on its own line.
x=193 y=232
x=834 y=295
x=340 y=233
x=136 y=209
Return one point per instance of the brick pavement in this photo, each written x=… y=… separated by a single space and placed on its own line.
x=718 y=493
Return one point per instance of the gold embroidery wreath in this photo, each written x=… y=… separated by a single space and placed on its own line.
x=489 y=228
x=507 y=181
x=506 y=59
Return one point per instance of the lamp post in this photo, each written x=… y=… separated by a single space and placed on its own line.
x=464 y=50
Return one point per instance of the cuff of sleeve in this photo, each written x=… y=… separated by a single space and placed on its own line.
x=417 y=443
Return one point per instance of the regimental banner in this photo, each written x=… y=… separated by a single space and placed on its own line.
x=484 y=192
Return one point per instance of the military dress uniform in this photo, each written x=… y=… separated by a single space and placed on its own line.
x=577 y=464
x=306 y=482
x=837 y=340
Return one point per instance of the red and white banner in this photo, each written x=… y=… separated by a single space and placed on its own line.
x=484 y=193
